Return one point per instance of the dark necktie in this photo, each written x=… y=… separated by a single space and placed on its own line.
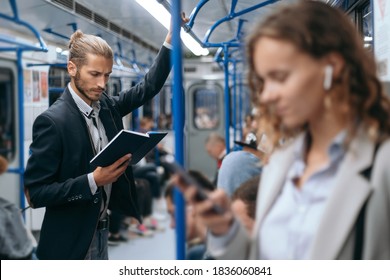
x=96 y=134
x=98 y=147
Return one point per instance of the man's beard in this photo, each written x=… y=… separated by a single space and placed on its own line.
x=78 y=86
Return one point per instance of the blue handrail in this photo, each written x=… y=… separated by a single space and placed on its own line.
x=177 y=88
x=131 y=61
x=232 y=14
x=20 y=45
x=234 y=43
x=178 y=101
x=51 y=31
x=194 y=13
x=234 y=61
x=62 y=65
x=227 y=98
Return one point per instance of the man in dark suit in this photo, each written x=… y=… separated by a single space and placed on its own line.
x=66 y=136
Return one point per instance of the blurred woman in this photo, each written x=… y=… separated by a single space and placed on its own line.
x=325 y=191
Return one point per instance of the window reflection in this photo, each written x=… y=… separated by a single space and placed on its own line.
x=206 y=112
x=367 y=26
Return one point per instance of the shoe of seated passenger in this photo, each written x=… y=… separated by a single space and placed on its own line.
x=140 y=230
x=115 y=240
x=154 y=225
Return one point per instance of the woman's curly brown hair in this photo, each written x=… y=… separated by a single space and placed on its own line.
x=318 y=29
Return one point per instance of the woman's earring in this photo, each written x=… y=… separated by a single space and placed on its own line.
x=328 y=76
x=327 y=102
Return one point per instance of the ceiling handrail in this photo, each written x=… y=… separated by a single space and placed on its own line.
x=19 y=45
x=188 y=26
x=232 y=14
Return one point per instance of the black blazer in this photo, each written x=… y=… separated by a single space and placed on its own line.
x=56 y=172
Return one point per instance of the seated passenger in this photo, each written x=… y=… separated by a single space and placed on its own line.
x=195 y=230
x=239 y=166
x=244 y=202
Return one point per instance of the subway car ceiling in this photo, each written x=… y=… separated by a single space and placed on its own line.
x=138 y=31
x=131 y=30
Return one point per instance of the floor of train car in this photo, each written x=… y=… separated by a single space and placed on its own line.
x=160 y=246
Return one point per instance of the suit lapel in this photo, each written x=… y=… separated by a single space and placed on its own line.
x=350 y=192
x=108 y=122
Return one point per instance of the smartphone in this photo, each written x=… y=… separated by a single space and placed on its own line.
x=174 y=168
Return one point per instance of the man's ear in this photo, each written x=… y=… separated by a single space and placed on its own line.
x=72 y=68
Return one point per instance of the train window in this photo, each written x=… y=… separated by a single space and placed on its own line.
x=164 y=117
x=243 y=103
x=114 y=86
x=7 y=118
x=205 y=102
x=367 y=26
x=166 y=100
x=58 y=79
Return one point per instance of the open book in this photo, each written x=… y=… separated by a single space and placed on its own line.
x=127 y=142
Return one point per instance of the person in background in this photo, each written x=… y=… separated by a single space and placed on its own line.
x=66 y=136
x=325 y=192
x=248 y=125
x=244 y=202
x=216 y=148
x=195 y=231
x=239 y=166
x=15 y=241
x=151 y=169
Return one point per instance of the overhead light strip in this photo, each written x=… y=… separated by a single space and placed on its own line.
x=163 y=16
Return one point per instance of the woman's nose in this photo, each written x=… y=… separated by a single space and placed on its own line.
x=269 y=93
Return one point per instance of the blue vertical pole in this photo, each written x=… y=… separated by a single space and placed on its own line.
x=21 y=126
x=178 y=101
x=135 y=120
x=234 y=103
x=227 y=97
x=240 y=97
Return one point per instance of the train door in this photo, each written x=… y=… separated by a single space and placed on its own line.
x=204 y=114
x=9 y=182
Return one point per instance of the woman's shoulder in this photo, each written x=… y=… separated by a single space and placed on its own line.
x=383 y=151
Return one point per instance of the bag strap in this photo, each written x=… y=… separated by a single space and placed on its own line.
x=359 y=238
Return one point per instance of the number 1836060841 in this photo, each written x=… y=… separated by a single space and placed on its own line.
x=248 y=270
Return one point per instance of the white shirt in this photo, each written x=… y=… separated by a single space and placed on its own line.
x=289 y=228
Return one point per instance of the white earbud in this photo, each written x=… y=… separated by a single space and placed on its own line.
x=328 y=76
